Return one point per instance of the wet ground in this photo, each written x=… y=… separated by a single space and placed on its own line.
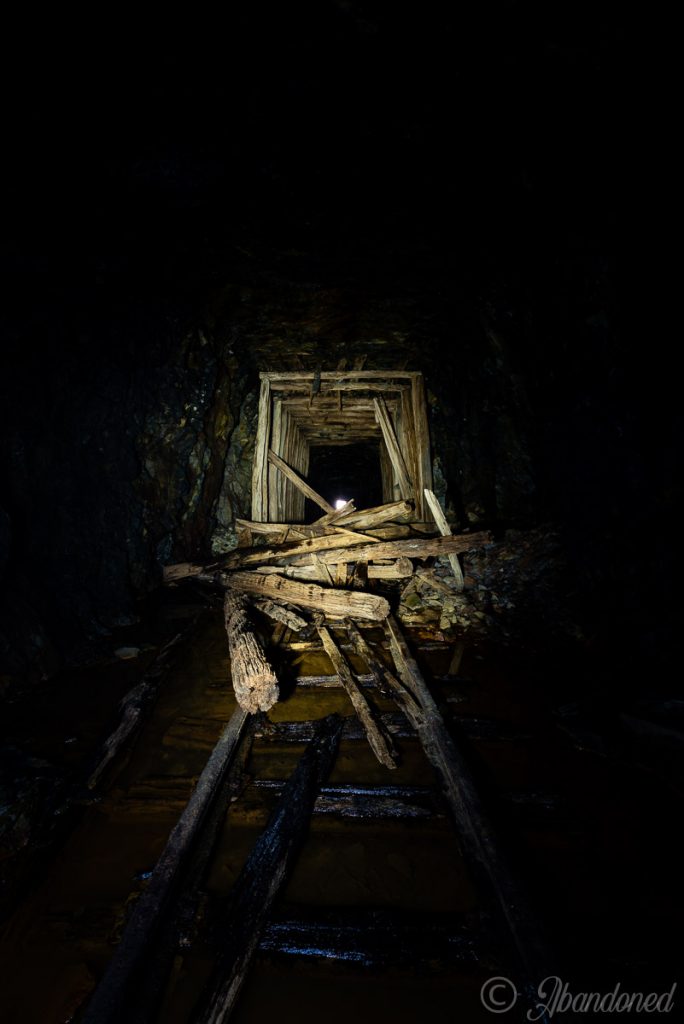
x=368 y=924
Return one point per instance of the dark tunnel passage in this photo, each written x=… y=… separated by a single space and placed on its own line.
x=345 y=471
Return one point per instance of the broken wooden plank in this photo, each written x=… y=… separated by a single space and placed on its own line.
x=381 y=745
x=339 y=603
x=339 y=513
x=475 y=830
x=264 y=873
x=124 y=968
x=300 y=484
x=281 y=614
x=395 y=454
x=377 y=515
x=254 y=681
x=445 y=530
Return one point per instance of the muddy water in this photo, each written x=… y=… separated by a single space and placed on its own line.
x=579 y=827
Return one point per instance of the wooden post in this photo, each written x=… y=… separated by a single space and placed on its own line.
x=254 y=681
x=275 y=509
x=396 y=458
x=261 y=446
x=445 y=530
x=409 y=447
x=420 y=425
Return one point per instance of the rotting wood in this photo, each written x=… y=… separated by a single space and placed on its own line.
x=260 y=466
x=420 y=426
x=281 y=614
x=410 y=548
x=393 y=570
x=475 y=830
x=265 y=872
x=178 y=928
x=381 y=745
x=300 y=484
x=339 y=603
x=123 y=970
x=445 y=530
x=395 y=454
x=263 y=555
x=377 y=515
x=254 y=681
x=339 y=513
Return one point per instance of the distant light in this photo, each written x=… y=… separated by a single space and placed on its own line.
x=340 y=503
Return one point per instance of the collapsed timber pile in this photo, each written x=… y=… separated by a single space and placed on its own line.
x=331 y=571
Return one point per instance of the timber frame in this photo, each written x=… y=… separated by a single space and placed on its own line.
x=298 y=410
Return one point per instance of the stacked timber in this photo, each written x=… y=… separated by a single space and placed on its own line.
x=330 y=571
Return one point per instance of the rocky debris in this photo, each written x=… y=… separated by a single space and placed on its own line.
x=513 y=592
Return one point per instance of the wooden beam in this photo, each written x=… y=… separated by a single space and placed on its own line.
x=261 y=448
x=396 y=458
x=445 y=530
x=412 y=547
x=475 y=830
x=254 y=681
x=299 y=483
x=259 y=556
x=420 y=426
x=381 y=745
x=279 y=613
x=367 y=517
x=337 y=603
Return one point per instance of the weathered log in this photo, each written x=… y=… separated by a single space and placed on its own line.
x=265 y=872
x=338 y=603
x=475 y=830
x=417 y=547
x=254 y=681
x=300 y=484
x=339 y=513
x=281 y=614
x=393 y=570
x=106 y=1004
x=381 y=744
x=445 y=530
x=377 y=515
x=261 y=556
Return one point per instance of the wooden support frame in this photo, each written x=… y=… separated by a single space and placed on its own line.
x=299 y=410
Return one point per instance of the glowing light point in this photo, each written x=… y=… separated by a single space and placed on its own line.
x=340 y=503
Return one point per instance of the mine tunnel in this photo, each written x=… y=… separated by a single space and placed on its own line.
x=341 y=590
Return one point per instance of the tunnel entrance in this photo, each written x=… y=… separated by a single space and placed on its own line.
x=364 y=431
x=344 y=472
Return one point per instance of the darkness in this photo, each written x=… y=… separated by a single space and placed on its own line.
x=459 y=191
x=349 y=471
